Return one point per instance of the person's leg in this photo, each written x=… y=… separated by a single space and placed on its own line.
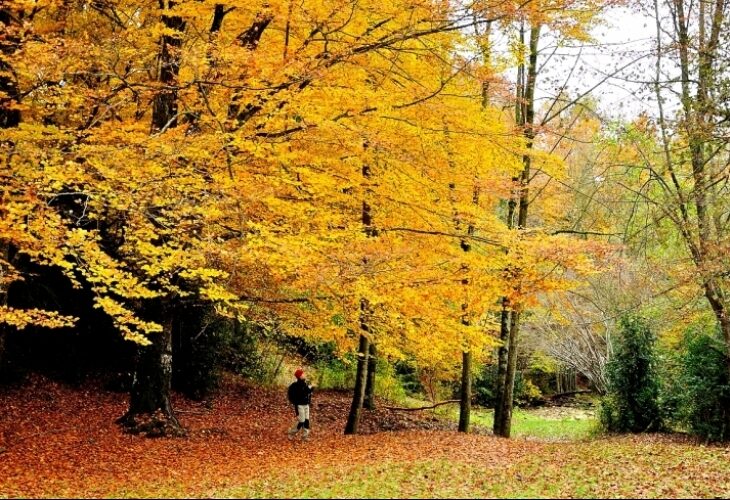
x=305 y=424
x=299 y=422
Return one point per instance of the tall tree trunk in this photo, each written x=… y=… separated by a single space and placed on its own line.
x=465 y=404
x=361 y=378
x=698 y=123
x=9 y=116
x=165 y=104
x=369 y=402
x=502 y=355
x=505 y=424
x=465 y=244
x=4 y=258
x=353 y=419
x=510 y=320
x=723 y=318
x=150 y=411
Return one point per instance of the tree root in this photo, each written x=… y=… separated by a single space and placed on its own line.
x=157 y=424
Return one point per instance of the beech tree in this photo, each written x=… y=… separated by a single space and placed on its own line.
x=204 y=152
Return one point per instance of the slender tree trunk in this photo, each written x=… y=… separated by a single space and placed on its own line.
x=361 y=378
x=353 y=420
x=505 y=314
x=502 y=354
x=465 y=244
x=465 y=404
x=369 y=402
x=509 y=328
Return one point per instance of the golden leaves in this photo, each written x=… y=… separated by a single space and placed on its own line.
x=254 y=193
x=21 y=318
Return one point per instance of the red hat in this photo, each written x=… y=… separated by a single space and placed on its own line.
x=299 y=373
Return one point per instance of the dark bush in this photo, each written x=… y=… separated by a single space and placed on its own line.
x=198 y=339
x=408 y=376
x=632 y=401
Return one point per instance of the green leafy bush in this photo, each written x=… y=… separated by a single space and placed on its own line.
x=388 y=384
x=339 y=374
x=706 y=394
x=334 y=374
x=525 y=392
x=632 y=401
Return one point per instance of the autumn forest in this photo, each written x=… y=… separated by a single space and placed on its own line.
x=493 y=234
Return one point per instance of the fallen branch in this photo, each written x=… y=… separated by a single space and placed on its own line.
x=399 y=408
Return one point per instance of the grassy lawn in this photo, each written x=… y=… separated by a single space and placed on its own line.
x=545 y=424
x=550 y=427
x=623 y=467
x=569 y=458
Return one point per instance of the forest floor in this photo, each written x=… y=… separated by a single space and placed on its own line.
x=57 y=441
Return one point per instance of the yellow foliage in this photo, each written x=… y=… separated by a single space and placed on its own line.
x=290 y=119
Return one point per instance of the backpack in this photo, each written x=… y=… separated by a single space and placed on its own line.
x=290 y=393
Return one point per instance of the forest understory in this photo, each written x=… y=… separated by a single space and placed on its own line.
x=59 y=441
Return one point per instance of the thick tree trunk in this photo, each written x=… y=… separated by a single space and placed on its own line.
x=150 y=411
x=353 y=420
x=503 y=426
x=165 y=104
x=723 y=318
x=369 y=402
x=9 y=116
x=465 y=404
x=4 y=257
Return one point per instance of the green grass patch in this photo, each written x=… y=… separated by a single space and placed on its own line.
x=528 y=424
x=604 y=468
x=417 y=479
x=563 y=425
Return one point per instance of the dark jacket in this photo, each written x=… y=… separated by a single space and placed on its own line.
x=300 y=393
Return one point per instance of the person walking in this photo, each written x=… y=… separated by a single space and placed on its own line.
x=300 y=395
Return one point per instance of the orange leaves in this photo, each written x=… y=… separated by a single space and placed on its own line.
x=59 y=442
